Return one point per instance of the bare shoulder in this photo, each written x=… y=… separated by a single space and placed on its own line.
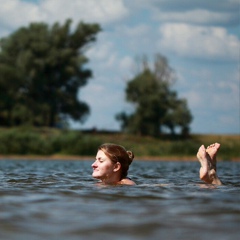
x=127 y=181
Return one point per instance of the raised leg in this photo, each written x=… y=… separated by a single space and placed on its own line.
x=207 y=171
x=212 y=151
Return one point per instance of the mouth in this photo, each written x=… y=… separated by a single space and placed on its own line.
x=95 y=173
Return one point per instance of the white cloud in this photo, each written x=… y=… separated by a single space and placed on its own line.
x=127 y=64
x=103 y=11
x=216 y=11
x=194 y=98
x=137 y=39
x=131 y=29
x=102 y=55
x=100 y=51
x=16 y=13
x=213 y=91
x=199 y=42
x=137 y=31
x=198 y=16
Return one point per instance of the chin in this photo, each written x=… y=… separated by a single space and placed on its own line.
x=95 y=175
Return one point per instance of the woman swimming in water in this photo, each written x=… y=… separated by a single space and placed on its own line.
x=113 y=161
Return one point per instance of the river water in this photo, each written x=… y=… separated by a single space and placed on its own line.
x=60 y=200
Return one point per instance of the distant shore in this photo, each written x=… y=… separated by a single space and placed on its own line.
x=91 y=158
x=55 y=144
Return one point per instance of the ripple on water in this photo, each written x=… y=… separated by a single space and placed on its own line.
x=59 y=200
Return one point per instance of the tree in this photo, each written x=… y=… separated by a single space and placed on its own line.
x=49 y=68
x=156 y=105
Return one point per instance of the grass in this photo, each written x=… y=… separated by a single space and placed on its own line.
x=67 y=143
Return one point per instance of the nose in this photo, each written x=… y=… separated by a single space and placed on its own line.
x=94 y=165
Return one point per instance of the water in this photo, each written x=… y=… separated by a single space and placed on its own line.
x=60 y=200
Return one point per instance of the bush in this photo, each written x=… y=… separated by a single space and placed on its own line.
x=22 y=142
x=75 y=143
x=47 y=141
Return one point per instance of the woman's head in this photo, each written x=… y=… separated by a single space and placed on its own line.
x=118 y=154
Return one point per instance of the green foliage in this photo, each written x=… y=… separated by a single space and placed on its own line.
x=156 y=105
x=230 y=145
x=25 y=141
x=48 y=141
x=41 y=71
x=22 y=142
x=75 y=143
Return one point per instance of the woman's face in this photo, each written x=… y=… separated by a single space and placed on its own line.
x=103 y=167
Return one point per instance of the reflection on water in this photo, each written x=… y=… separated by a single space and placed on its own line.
x=59 y=200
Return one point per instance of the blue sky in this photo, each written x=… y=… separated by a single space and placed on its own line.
x=200 y=38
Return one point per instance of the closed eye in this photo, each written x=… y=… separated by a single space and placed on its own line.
x=100 y=160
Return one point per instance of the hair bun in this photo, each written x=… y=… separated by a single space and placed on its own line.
x=131 y=156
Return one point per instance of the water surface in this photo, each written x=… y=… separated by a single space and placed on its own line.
x=60 y=200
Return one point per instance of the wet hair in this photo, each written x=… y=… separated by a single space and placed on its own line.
x=117 y=153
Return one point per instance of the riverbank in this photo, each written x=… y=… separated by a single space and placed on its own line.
x=91 y=158
x=45 y=143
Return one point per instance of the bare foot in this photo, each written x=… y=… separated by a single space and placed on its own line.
x=207 y=171
x=202 y=157
x=212 y=151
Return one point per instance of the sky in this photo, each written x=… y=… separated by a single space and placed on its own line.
x=200 y=39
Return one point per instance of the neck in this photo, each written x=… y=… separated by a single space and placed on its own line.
x=114 y=179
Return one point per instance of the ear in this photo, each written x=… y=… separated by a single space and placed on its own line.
x=117 y=167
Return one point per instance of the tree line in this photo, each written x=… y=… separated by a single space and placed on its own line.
x=156 y=105
x=42 y=69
